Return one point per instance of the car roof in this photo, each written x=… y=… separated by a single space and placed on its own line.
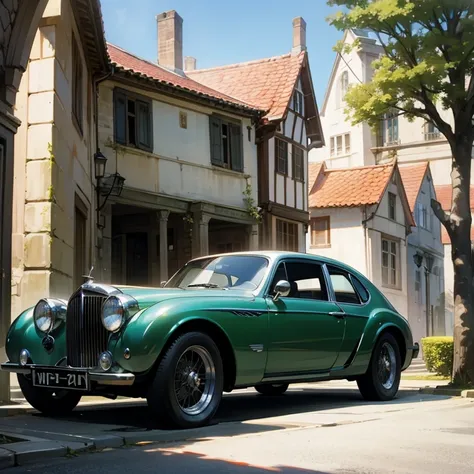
x=276 y=255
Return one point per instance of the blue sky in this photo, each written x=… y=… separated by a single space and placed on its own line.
x=221 y=32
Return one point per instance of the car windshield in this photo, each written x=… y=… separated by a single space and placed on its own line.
x=242 y=272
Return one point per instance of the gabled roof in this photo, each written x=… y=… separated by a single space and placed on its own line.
x=265 y=83
x=353 y=187
x=349 y=187
x=141 y=68
x=444 y=194
x=412 y=178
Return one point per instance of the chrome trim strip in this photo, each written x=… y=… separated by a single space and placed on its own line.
x=102 y=378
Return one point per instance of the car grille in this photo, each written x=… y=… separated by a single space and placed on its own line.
x=86 y=336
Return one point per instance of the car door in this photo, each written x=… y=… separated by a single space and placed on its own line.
x=353 y=298
x=306 y=329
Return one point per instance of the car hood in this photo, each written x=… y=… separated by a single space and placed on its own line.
x=147 y=297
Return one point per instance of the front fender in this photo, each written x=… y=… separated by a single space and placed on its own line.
x=23 y=334
x=148 y=331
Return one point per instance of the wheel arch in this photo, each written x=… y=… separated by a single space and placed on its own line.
x=217 y=334
x=399 y=337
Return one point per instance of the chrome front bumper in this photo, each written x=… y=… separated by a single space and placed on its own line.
x=102 y=378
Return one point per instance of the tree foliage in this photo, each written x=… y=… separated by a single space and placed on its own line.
x=427 y=71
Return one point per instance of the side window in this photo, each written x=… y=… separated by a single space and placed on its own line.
x=360 y=288
x=347 y=288
x=306 y=281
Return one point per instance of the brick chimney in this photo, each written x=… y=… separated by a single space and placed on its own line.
x=189 y=63
x=299 y=35
x=170 y=40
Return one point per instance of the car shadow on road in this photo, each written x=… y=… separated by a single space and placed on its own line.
x=242 y=406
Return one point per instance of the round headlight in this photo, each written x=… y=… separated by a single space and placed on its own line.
x=116 y=310
x=112 y=314
x=43 y=315
x=48 y=314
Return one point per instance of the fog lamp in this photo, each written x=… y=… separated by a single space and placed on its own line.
x=105 y=361
x=24 y=356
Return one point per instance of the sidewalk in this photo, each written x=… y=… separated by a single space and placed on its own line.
x=93 y=425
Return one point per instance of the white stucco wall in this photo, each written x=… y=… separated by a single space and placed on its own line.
x=180 y=164
x=346 y=237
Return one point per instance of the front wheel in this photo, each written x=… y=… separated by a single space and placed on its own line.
x=188 y=385
x=382 y=379
x=48 y=402
x=272 y=389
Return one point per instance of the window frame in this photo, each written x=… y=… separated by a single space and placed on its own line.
x=294 y=163
x=295 y=236
x=351 y=278
x=278 y=158
x=233 y=141
x=398 y=283
x=328 y=231
x=138 y=99
x=392 y=199
x=298 y=110
x=345 y=150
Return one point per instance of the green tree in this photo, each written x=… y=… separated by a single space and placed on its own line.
x=427 y=71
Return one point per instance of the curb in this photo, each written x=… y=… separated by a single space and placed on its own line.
x=450 y=392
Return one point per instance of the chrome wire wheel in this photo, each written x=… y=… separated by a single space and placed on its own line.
x=194 y=380
x=387 y=366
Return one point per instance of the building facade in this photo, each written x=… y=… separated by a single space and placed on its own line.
x=362 y=216
x=282 y=88
x=414 y=144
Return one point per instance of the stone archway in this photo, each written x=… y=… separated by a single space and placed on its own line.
x=19 y=20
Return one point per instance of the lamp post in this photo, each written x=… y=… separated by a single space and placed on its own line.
x=428 y=266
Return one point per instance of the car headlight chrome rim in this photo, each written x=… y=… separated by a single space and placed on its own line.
x=116 y=310
x=48 y=314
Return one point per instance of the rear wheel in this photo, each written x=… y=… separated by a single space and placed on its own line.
x=188 y=385
x=272 y=389
x=382 y=379
x=48 y=402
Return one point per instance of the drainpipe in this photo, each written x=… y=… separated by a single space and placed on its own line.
x=366 y=242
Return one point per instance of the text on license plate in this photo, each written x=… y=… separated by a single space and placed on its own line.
x=60 y=379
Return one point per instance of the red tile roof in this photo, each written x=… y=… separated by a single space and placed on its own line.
x=266 y=83
x=444 y=195
x=313 y=172
x=350 y=187
x=132 y=63
x=412 y=178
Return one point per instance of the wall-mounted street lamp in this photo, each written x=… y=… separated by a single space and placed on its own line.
x=428 y=266
x=111 y=185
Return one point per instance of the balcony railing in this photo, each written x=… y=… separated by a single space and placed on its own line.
x=432 y=136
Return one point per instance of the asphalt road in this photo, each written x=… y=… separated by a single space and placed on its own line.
x=332 y=433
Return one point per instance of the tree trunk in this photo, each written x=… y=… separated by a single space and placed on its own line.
x=458 y=226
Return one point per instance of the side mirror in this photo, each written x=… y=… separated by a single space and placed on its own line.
x=282 y=288
x=163 y=283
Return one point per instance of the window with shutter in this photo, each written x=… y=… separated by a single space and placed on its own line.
x=215 y=125
x=133 y=120
x=143 y=125
x=120 y=118
x=226 y=144
x=236 y=155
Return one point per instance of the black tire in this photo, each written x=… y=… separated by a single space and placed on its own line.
x=371 y=385
x=48 y=402
x=272 y=389
x=162 y=398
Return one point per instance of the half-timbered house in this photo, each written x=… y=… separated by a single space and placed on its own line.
x=282 y=87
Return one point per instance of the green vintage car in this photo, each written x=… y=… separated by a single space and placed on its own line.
x=222 y=322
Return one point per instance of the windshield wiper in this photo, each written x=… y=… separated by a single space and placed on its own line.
x=203 y=285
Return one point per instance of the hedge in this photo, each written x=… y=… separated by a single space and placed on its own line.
x=438 y=354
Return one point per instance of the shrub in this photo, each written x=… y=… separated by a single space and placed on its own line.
x=438 y=354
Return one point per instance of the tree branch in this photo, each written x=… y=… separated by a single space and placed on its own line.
x=442 y=215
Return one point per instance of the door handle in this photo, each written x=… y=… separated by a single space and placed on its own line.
x=337 y=314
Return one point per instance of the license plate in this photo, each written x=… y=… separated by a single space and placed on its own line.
x=60 y=378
